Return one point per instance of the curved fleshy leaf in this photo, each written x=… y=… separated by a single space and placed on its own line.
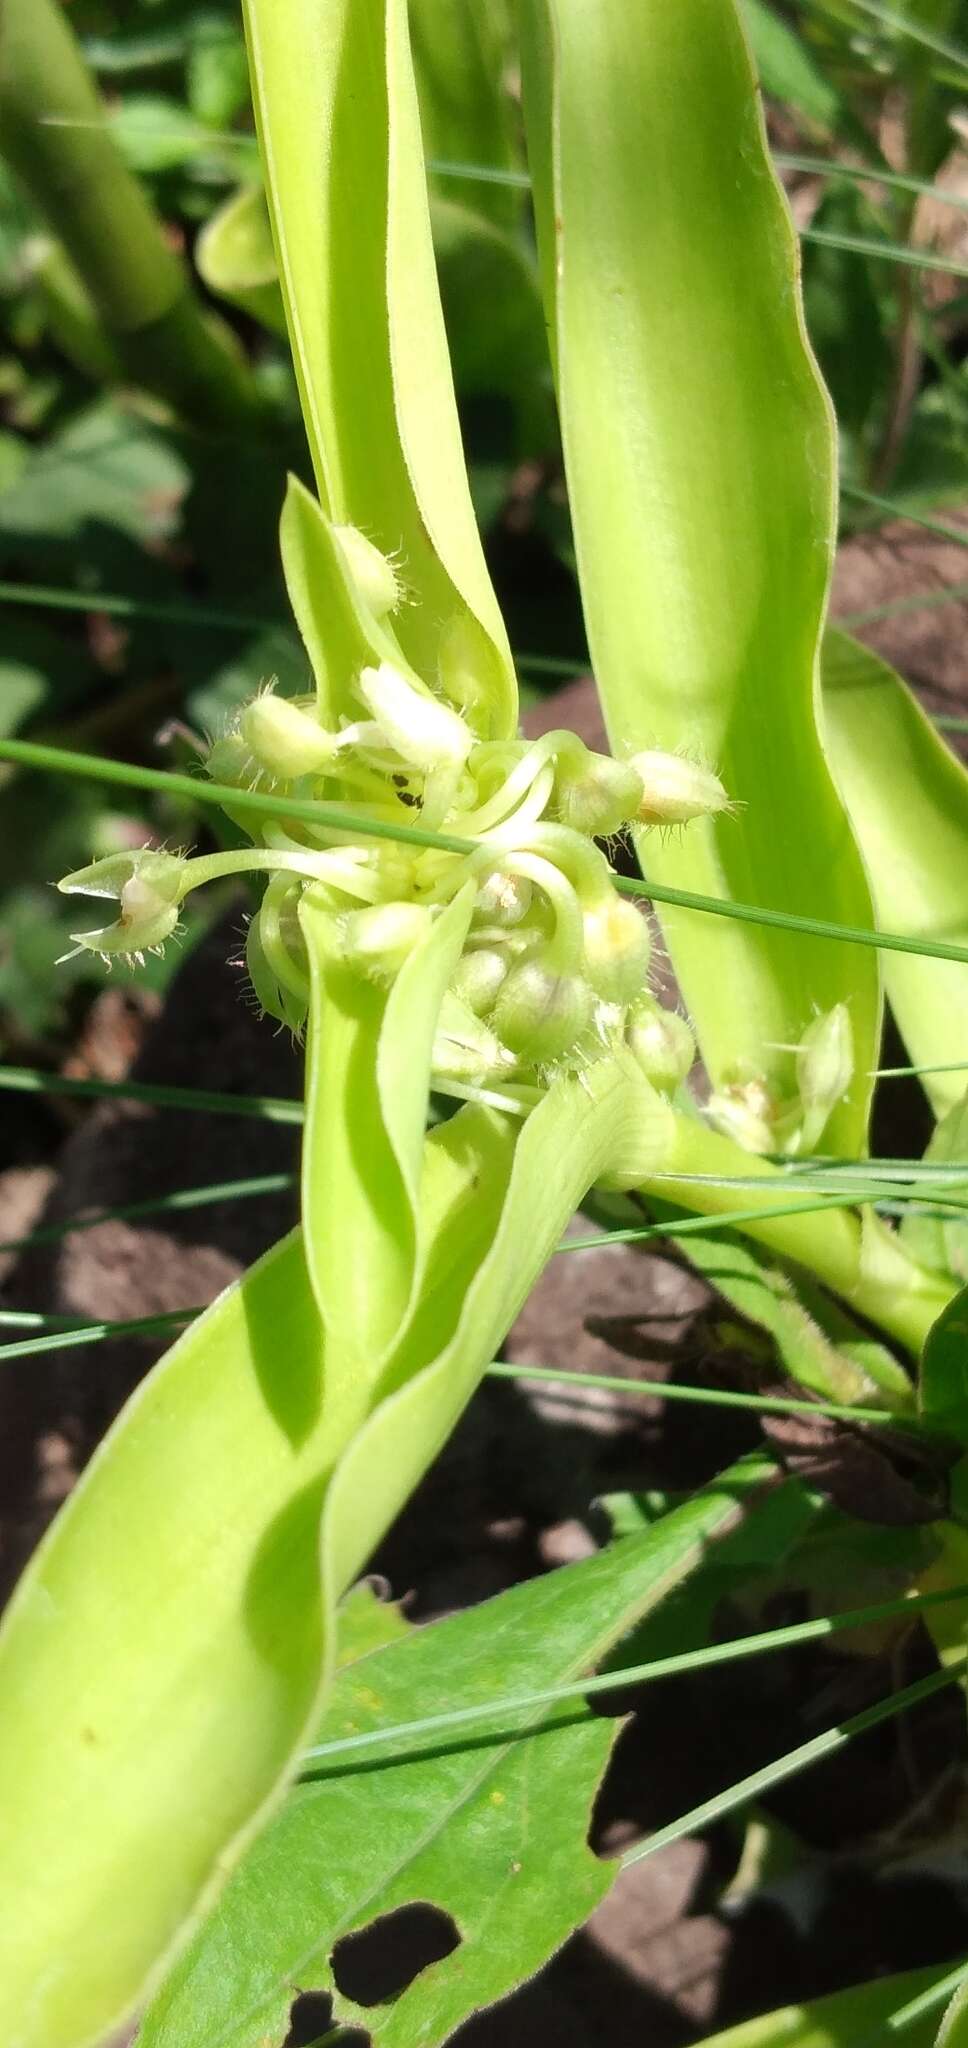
x=163 y=1659
x=337 y=113
x=699 y=449
x=908 y=799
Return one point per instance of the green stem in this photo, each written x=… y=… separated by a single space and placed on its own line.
x=55 y=138
x=829 y=1244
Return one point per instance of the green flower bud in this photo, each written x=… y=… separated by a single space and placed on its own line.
x=504 y=899
x=230 y=760
x=599 y=797
x=480 y=976
x=425 y=733
x=617 y=948
x=662 y=1043
x=540 y=1014
x=146 y=884
x=379 y=939
x=284 y=739
x=676 y=790
x=825 y=1069
x=464 y=1048
x=374 y=578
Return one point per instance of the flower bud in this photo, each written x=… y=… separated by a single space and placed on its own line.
x=825 y=1069
x=617 y=949
x=284 y=739
x=464 y=1048
x=147 y=885
x=373 y=577
x=230 y=761
x=600 y=797
x=379 y=939
x=746 y=1112
x=480 y=976
x=676 y=790
x=662 y=1043
x=504 y=899
x=425 y=733
x=540 y=1014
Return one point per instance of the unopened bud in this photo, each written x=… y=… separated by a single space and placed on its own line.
x=825 y=1069
x=599 y=797
x=676 y=790
x=480 y=976
x=230 y=761
x=425 y=733
x=284 y=739
x=375 y=579
x=617 y=949
x=662 y=1043
x=540 y=1014
x=504 y=899
x=379 y=939
x=465 y=1049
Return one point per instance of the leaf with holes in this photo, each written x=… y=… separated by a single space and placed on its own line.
x=488 y=1827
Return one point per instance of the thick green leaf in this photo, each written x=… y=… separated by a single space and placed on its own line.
x=908 y=798
x=699 y=449
x=492 y=1830
x=163 y=1658
x=337 y=112
x=847 y=2019
x=161 y=1654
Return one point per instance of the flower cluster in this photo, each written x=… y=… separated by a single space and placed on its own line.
x=555 y=966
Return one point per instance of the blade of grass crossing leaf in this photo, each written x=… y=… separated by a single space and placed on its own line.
x=945 y=531
x=702 y=507
x=58 y=760
x=741 y=1647
x=161 y=1205
x=907 y=25
x=910 y=255
x=265 y=1108
x=892 y=767
x=795 y=1761
x=901 y=607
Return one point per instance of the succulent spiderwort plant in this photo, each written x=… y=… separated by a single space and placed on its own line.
x=163 y=1661
x=163 y=1658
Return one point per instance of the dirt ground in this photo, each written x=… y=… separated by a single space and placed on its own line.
x=666 y=1957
